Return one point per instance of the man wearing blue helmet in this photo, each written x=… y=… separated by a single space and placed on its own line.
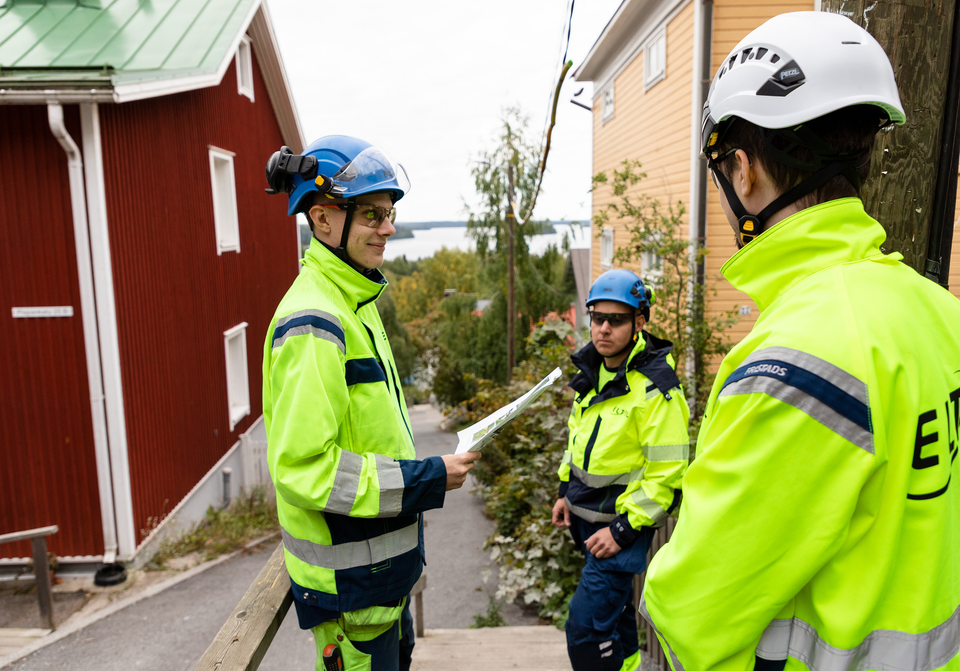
x=350 y=491
x=620 y=476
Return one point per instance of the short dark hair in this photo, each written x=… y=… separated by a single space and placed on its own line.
x=851 y=130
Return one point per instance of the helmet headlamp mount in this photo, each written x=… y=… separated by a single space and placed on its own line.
x=284 y=164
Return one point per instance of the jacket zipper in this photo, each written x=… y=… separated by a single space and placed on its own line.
x=589 y=448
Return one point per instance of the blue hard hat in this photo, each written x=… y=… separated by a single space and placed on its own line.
x=355 y=167
x=622 y=286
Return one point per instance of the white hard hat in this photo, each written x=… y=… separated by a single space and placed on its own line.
x=797 y=67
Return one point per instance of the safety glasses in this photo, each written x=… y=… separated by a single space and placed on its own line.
x=615 y=318
x=715 y=161
x=373 y=215
x=370 y=216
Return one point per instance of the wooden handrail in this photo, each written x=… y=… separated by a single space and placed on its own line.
x=42 y=532
x=41 y=566
x=244 y=638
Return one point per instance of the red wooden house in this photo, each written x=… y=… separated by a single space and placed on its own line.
x=140 y=259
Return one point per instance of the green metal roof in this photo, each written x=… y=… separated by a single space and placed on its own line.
x=117 y=42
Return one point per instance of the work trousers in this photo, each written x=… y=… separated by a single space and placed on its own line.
x=602 y=626
x=374 y=639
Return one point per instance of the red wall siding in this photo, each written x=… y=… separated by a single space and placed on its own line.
x=175 y=295
x=47 y=463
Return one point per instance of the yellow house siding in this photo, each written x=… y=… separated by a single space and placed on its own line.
x=652 y=127
x=732 y=20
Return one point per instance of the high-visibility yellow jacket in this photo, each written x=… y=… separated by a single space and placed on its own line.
x=820 y=523
x=340 y=448
x=628 y=445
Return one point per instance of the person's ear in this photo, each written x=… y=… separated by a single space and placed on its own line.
x=745 y=177
x=318 y=219
x=641 y=321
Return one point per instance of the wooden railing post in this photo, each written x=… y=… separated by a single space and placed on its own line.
x=41 y=572
x=41 y=566
x=417 y=594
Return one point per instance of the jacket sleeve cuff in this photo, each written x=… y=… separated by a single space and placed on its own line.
x=424 y=484
x=623 y=533
x=563 y=489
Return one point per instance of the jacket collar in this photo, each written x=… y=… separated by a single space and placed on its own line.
x=819 y=237
x=358 y=288
x=649 y=356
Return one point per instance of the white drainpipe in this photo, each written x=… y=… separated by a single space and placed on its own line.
x=107 y=325
x=91 y=340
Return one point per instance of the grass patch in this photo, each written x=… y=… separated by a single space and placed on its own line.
x=251 y=516
x=492 y=618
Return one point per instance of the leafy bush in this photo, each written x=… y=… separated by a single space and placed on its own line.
x=518 y=478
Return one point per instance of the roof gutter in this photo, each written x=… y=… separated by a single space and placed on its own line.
x=90 y=335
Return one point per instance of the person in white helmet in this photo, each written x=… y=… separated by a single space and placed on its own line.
x=819 y=527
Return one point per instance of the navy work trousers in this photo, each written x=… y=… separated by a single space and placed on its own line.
x=602 y=626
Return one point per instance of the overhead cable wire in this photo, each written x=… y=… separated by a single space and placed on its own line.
x=545 y=139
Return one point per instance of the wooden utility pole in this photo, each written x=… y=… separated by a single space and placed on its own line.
x=511 y=288
x=909 y=191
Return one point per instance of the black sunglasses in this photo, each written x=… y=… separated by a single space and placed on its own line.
x=615 y=318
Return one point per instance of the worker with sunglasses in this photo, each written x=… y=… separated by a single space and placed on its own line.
x=621 y=473
x=350 y=492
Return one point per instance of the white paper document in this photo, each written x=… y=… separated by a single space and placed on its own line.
x=473 y=438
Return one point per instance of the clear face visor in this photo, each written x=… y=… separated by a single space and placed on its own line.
x=372 y=168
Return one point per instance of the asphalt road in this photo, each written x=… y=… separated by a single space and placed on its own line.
x=171 y=630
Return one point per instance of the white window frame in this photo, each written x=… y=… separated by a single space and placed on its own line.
x=655 y=59
x=225 y=212
x=244 y=62
x=651 y=265
x=606 y=247
x=607 y=98
x=238 y=379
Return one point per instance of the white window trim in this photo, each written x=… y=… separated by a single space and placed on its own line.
x=237 y=408
x=606 y=238
x=651 y=273
x=606 y=111
x=223 y=220
x=652 y=78
x=244 y=63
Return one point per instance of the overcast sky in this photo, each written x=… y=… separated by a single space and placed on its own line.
x=428 y=80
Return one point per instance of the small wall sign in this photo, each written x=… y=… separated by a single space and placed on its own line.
x=43 y=311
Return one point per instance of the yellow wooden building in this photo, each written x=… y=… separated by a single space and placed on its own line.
x=651 y=68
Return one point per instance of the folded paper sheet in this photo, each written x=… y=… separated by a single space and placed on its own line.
x=473 y=438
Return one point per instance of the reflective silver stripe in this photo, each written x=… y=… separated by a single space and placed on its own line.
x=650 y=508
x=352 y=555
x=391 y=486
x=838 y=377
x=802 y=401
x=651 y=394
x=598 y=481
x=679 y=452
x=589 y=515
x=567 y=457
x=345 y=484
x=677 y=666
x=881 y=649
x=309 y=329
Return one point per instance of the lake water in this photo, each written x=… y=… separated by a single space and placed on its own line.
x=426 y=242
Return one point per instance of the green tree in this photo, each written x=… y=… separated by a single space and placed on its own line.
x=678 y=314
x=540 y=281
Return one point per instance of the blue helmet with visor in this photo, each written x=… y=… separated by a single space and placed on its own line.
x=353 y=168
x=339 y=167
